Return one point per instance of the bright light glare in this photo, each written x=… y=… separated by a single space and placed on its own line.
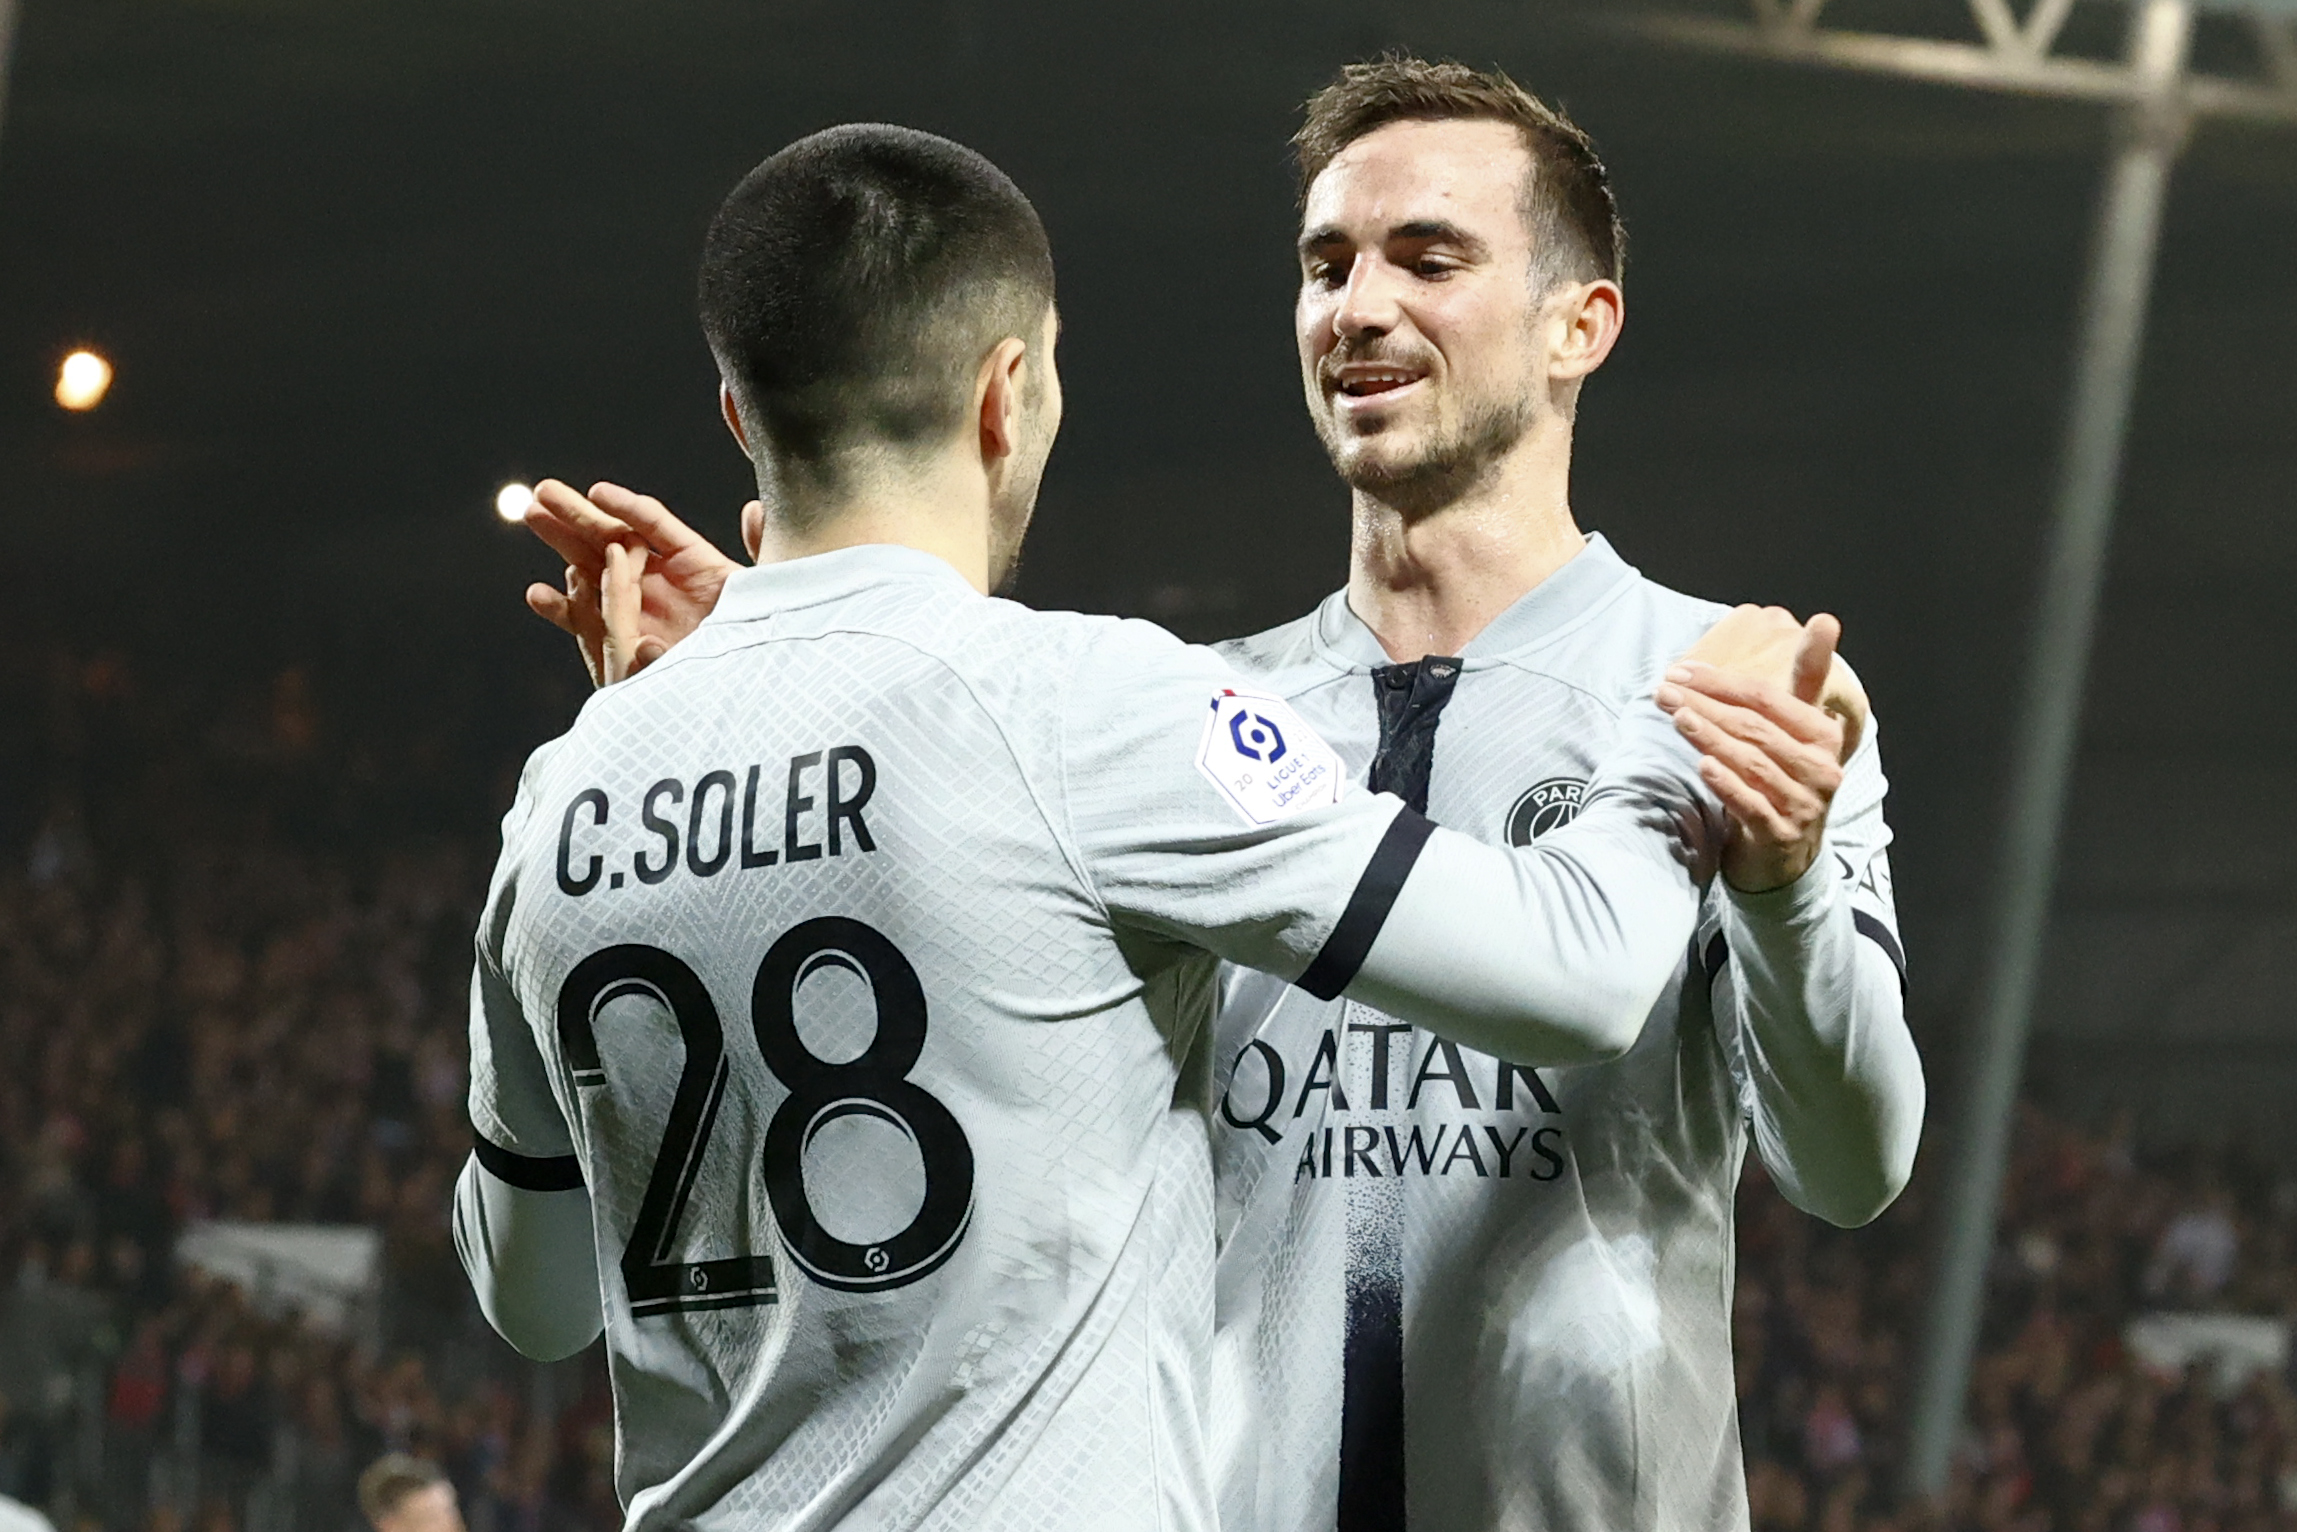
x=83 y=380
x=511 y=501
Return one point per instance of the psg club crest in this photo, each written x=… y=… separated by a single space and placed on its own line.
x=1548 y=805
x=1266 y=762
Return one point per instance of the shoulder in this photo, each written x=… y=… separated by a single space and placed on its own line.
x=1617 y=649
x=536 y=776
x=1086 y=651
x=1074 y=686
x=1287 y=661
x=1273 y=650
x=1647 y=618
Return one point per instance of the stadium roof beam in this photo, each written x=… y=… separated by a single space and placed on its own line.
x=2015 y=54
x=2157 y=99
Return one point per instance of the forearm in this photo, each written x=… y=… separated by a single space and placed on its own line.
x=1835 y=1079
x=532 y=1262
x=1555 y=953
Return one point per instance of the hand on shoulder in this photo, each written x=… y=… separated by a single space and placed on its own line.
x=1774 y=713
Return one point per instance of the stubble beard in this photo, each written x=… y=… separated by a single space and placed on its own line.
x=1445 y=471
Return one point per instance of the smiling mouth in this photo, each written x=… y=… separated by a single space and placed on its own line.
x=1372 y=382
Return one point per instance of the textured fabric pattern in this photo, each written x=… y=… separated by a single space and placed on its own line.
x=1566 y=1241
x=860 y=949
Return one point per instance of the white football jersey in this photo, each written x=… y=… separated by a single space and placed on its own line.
x=856 y=956
x=1456 y=1293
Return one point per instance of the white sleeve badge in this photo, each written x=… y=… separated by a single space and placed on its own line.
x=1265 y=760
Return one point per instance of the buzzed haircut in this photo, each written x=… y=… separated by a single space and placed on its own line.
x=1567 y=203
x=390 y=1481
x=852 y=284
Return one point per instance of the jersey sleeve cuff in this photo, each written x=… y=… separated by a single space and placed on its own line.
x=1786 y=911
x=1359 y=925
x=554 y=1173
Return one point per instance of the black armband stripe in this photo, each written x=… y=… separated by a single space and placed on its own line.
x=1869 y=926
x=1359 y=925
x=1872 y=928
x=556 y=1173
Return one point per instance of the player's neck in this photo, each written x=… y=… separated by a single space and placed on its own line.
x=1428 y=583
x=939 y=509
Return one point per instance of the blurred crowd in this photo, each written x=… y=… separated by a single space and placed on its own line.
x=232 y=984
x=232 y=987
x=2073 y=1428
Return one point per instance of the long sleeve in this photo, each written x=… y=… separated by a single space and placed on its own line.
x=1809 y=992
x=532 y=1261
x=522 y=1213
x=1234 y=831
x=1554 y=953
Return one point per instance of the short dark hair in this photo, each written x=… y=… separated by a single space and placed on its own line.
x=390 y=1480
x=1568 y=203
x=852 y=283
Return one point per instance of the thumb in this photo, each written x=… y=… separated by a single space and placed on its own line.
x=1814 y=656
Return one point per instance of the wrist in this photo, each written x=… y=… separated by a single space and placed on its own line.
x=1799 y=897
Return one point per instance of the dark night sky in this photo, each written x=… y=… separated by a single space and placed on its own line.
x=360 y=262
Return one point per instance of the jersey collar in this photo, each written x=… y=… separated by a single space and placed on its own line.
x=1558 y=602
x=769 y=588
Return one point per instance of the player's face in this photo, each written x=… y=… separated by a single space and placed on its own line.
x=1417 y=320
x=1015 y=499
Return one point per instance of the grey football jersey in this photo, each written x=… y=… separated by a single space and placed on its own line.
x=1488 y=1295
x=855 y=956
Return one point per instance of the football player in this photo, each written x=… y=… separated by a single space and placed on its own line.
x=839 y=1024
x=1455 y=1294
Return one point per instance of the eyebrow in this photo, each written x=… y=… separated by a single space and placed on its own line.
x=1434 y=230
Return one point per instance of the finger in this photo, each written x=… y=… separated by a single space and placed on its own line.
x=1749 y=808
x=589 y=627
x=620 y=605
x=1814 y=656
x=1810 y=724
x=551 y=606
x=650 y=649
x=1754 y=765
x=1814 y=763
x=571 y=506
x=576 y=530
x=646 y=516
x=1847 y=701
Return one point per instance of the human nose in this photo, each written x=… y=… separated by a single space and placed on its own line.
x=1368 y=303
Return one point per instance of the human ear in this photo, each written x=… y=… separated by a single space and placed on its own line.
x=733 y=416
x=1584 y=321
x=754 y=528
x=998 y=408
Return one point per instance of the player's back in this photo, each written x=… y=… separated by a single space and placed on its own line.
x=899 y=1173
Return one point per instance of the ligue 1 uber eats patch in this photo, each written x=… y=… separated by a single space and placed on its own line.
x=1266 y=762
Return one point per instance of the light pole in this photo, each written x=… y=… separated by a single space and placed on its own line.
x=2156 y=100
x=2113 y=313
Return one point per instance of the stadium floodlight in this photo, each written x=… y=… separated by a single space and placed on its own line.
x=82 y=381
x=2157 y=100
x=511 y=501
